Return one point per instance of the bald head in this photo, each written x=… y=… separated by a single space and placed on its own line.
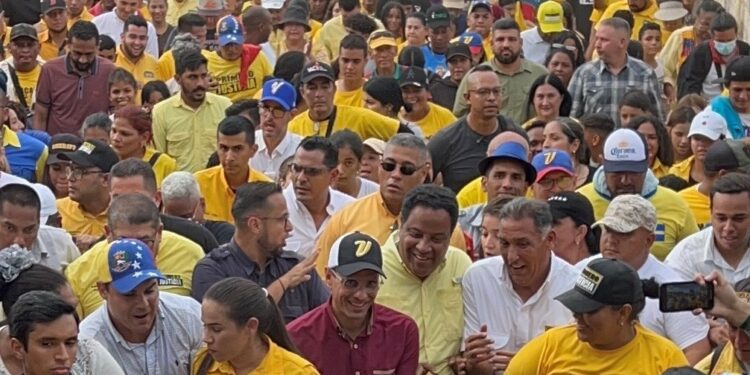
x=507 y=136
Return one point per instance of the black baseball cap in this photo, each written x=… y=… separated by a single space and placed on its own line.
x=92 y=153
x=48 y=5
x=728 y=155
x=604 y=282
x=354 y=252
x=437 y=15
x=316 y=69
x=458 y=49
x=23 y=30
x=738 y=70
x=413 y=76
x=573 y=205
x=61 y=143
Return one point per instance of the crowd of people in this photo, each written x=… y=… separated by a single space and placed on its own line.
x=193 y=187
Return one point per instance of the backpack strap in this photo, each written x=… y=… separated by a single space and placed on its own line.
x=154 y=158
x=715 y=357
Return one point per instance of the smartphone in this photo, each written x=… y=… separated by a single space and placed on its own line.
x=685 y=296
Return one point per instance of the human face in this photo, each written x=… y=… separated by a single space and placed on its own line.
x=370 y=164
x=121 y=94
x=637 y=5
x=480 y=21
x=482 y=96
x=311 y=177
x=680 y=141
x=51 y=347
x=24 y=51
x=125 y=140
x=459 y=66
x=741 y=343
x=416 y=32
x=294 y=32
x=75 y=7
x=599 y=327
x=394 y=184
x=352 y=63
x=186 y=208
x=506 y=45
x=490 y=232
x=56 y=20
x=275 y=226
x=423 y=240
x=631 y=248
x=725 y=36
x=352 y=296
x=318 y=95
x=509 y=10
x=158 y=10
x=526 y=252
x=547 y=101
x=553 y=183
x=440 y=37
x=108 y=54
x=148 y=233
x=234 y=153
x=96 y=133
x=133 y=314
x=376 y=106
x=561 y=66
x=225 y=339
x=193 y=84
x=628 y=113
x=318 y=8
x=505 y=178
x=624 y=183
x=130 y=185
x=700 y=144
x=272 y=127
x=383 y=56
x=126 y=8
x=394 y=22
x=730 y=219
x=648 y=131
x=82 y=53
x=651 y=42
x=610 y=43
x=702 y=25
x=153 y=99
x=348 y=167
x=739 y=95
x=568 y=239
x=15 y=124
x=415 y=96
x=19 y=225
x=369 y=5
x=231 y=51
x=59 y=179
x=134 y=41
x=88 y=186
x=554 y=137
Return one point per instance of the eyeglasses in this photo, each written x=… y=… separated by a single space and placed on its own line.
x=353 y=286
x=283 y=218
x=275 y=112
x=149 y=241
x=309 y=171
x=564 y=183
x=78 y=173
x=565 y=46
x=405 y=169
x=483 y=93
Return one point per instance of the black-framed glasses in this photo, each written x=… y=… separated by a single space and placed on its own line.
x=405 y=169
x=565 y=46
x=283 y=218
x=483 y=93
x=275 y=112
x=309 y=171
x=78 y=173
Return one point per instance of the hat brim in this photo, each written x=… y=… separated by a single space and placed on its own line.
x=435 y=24
x=352 y=268
x=482 y=5
x=315 y=75
x=56 y=7
x=412 y=83
x=668 y=15
x=544 y=172
x=77 y=158
x=578 y=303
x=527 y=167
x=54 y=158
x=625 y=166
x=269 y=98
x=709 y=135
x=547 y=29
x=19 y=36
x=128 y=283
x=211 y=12
x=448 y=57
x=296 y=22
x=615 y=225
x=383 y=42
x=229 y=39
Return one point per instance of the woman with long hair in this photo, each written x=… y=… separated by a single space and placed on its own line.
x=633 y=104
x=393 y=17
x=550 y=99
x=678 y=125
x=566 y=134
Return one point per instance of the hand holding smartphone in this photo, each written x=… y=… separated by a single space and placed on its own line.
x=685 y=296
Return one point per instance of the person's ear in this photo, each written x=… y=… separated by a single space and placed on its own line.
x=650 y=239
x=253 y=149
x=333 y=174
x=108 y=233
x=103 y=289
x=623 y=316
x=580 y=234
x=252 y=325
x=17 y=348
x=550 y=239
x=484 y=184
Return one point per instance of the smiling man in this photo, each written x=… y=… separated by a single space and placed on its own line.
x=275 y=142
x=132 y=55
x=112 y=24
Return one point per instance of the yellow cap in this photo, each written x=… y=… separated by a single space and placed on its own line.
x=550 y=17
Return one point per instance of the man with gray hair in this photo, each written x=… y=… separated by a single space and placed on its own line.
x=510 y=299
x=628 y=231
x=181 y=197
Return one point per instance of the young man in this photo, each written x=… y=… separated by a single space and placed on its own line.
x=352 y=59
x=459 y=63
x=25 y=64
x=52 y=40
x=440 y=32
x=113 y=23
x=275 y=142
x=735 y=109
x=132 y=55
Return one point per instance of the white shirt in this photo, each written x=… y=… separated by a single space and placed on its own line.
x=304 y=233
x=111 y=25
x=534 y=48
x=698 y=254
x=366 y=187
x=169 y=348
x=270 y=164
x=711 y=86
x=489 y=299
x=267 y=49
x=54 y=248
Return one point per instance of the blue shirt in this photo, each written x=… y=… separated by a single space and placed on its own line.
x=25 y=154
x=434 y=62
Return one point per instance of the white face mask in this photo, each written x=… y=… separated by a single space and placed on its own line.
x=725 y=48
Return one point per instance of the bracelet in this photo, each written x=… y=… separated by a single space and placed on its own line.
x=745 y=326
x=283 y=288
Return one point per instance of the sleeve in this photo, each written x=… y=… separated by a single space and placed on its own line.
x=159 y=131
x=44 y=88
x=528 y=360
x=471 y=315
x=669 y=57
x=319 y=292
x=689 y=226
x=70 y=249
x=379 y=126
x=41 y=162
x=162 y=69
x=152 y=46
x=575 y=88
x=205 y=274
x=679 y=262
x=73 y=280
x=684 y=328
x=437 y=146
x=654 y=91
x=101 y=361
x=457 y=238
x=459 y=105
x=410 y=358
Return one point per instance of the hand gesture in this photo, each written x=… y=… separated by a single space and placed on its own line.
x=301 y=272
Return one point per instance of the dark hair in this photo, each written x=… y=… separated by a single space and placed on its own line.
x=188 y=21
x=648 y=26
x=288 y=65
x=637 y=99
x=693 y=100
x=83 y=30
x=252 y=197
x=554 y=81
x=36 y=277
x=622 y=20
x=20 y=195
x=553 y=51
x=234 y=125
x=505 y=24
x=573 y=130
x=495 y=206
x=354 y=41
x=386 y=9
x=348 y=5
x=417 y=15
x=324 y=145
x=433 y=197
x=731 y=183
x=724 y=21
x=136 y=21
x=599 y=122
x=121 y=75
x=665 y=154
x=106 y=43
x=152 y=87
x=361 y=23
x=411 y=56
x=138 y=119
x=347 y=138
x=247 y=106
x=35 y=307
x=189 y=61
x=560 y=38
x=132 y=209
x=680 y=115
x=133 y=167
x=635 y=49
x=673 y=182
x=709 y=6
x=684 y=370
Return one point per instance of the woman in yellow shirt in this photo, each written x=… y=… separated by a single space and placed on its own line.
x=130 y=137
x=393 y=17
x=244 y=333
x=660 y=154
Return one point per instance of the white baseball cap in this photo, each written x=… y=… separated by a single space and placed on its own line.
x=709 y=124
x=625 y=151
x=272 y=4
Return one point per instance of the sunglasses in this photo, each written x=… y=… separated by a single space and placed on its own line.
x=309 y=171
x=565 y=46
x=405 y=169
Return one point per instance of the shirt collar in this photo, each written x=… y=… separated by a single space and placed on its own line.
x=248 y=265
x=603 y=67
x=72 y=70
x=10 y=138
x=152 y=336
x=331 y=207
x=207 y=100
x=281 y=148
x=368 y=331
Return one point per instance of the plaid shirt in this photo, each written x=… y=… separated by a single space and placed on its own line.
x=595 y=89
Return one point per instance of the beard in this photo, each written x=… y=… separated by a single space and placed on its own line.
x=272 y=250
x=507 y=59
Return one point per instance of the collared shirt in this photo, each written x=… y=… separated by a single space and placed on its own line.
x=370 y=216
x=698 y=254
x=489 y=299
x=699 y=204
x=364 y=122
x=595 y=89
x=434 y=303
x=186 y=134
x=304 y=234
x=269 y=164
x=54 y=248
x=471 y=194
x=162 y=166
x=177 y=257
x=534 y=47
x=111 y=25
x=144 y=68
x=277 y=361
x=84 y=16
x=48 y=49
x=174 y=339
x=217 y=193
x=660 y=170
x=389 y=345
x=230 y=261
x=77 y=221
x=683 y=168
x=677 y=49
x=26 y=155
x=179 y=8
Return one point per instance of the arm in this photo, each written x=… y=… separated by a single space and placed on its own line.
x=694 y=353
x=669 y=58
x=159 y=132
x=300 y=273
x=575 y=88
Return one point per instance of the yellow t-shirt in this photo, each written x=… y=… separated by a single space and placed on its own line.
x=471 y=194
x=352 y=98
x=559 y=351
x=176 y=259
x=75 y=221
x=28 y=81
x=144 y=69
x=364 y=122
x=699 y=204
x=277 y=361
x=177 y=9
x=217 y=193
x=727 y=362
x=660 y=170
x=682 y=169
x=163 y=166
x=646 y=15
x=166 y=68
x=437 y=118
x=227 y=75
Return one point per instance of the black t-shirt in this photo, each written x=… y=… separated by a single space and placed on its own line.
x=192 y=231
x=22 y=11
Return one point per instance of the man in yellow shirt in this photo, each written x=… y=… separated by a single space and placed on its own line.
x=134 y=216
x=237 y=68
x=642 y=10
x=77 y=12
x=324 y=118
x=24 y=63
x=235 y=143
x=424 y=274
x=132 y=55
x=179 y=8
x=326 y=42
x=185 y=124
x=352 y=60
x=430 y=117
x=192 y=24
x=52 y=40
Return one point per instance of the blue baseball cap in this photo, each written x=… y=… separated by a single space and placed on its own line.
x=513 y=151
x=230 y=31
x=551 y=160
x=280 y=92
x=131 y=264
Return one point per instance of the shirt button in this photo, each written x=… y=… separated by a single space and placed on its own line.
x=356 y=372
x=356 y=347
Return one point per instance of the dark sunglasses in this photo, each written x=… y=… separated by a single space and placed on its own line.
x=405 y=169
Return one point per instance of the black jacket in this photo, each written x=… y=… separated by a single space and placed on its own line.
x=695 y=69
x=443 y=91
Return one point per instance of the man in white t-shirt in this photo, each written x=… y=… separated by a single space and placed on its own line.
x=628 y=229
x=509 y=299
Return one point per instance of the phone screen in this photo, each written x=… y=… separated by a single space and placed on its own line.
x=685 y=296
